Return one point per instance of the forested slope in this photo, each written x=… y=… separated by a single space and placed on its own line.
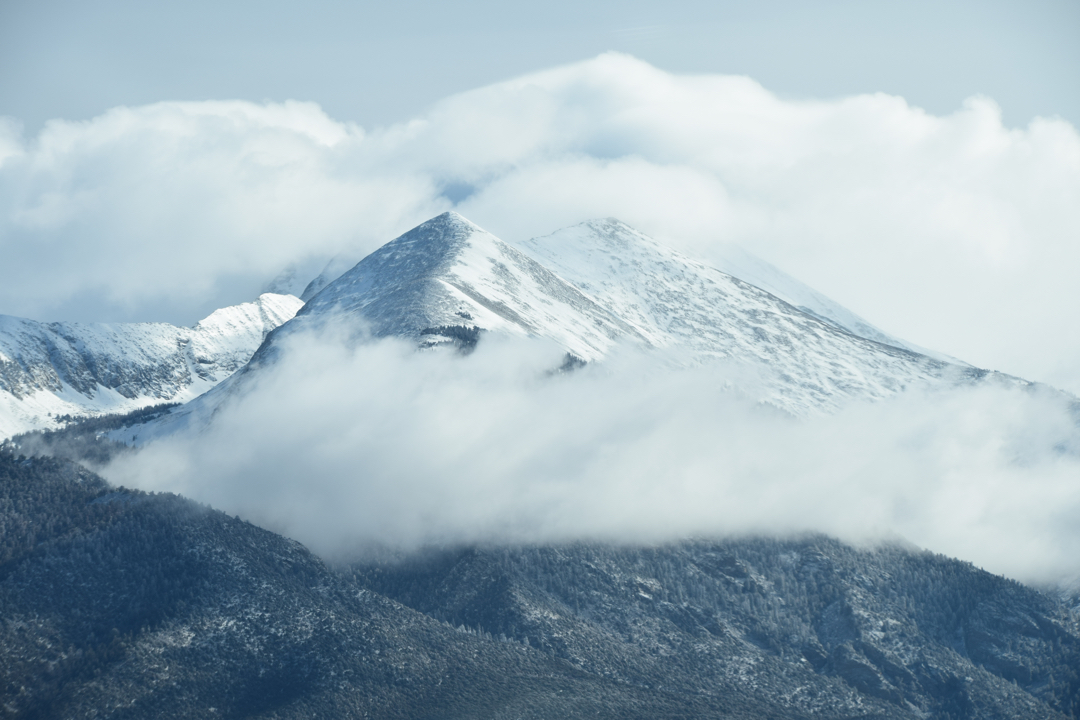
x=121 y=604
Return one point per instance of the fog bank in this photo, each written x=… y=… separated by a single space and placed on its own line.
x=379 y=444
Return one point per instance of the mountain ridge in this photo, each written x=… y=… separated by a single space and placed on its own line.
x=589 y=288
x=448 y=271
x=601 y=283
x=78 y=369
x=675 y=301
x=742 y=265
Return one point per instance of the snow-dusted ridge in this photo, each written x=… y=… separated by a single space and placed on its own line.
x=602 y=282
x=588 y=288
x=54 y=369
x=728 y=258
x=816 y=359
x=739 y=263
x=448 y=272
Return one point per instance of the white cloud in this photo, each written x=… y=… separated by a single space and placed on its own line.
x=381 y=444
x=953 y=232
x=185 y=207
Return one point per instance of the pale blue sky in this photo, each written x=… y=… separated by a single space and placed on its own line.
x=377 y=63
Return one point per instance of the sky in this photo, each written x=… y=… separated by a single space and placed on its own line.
x=381 y=63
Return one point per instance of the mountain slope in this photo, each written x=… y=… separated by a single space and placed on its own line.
x=810 y=624
x=676 y=302
x=449 y=272
x=54 y=369
x=740 y=264
x=588 y=288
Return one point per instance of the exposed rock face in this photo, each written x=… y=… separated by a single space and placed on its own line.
x=55 y=369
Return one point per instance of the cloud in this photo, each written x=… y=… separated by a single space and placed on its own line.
x=953 y=232
x=342 y=446
x=180 y=208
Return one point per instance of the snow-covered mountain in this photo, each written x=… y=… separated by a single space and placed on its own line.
x=726 y=257
x=818 y=354
x=601 y=282
x=588 y=288
x=739 y=263
x=55 y=369
x=449 y=273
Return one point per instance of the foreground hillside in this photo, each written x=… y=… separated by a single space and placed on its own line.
x=120 y=604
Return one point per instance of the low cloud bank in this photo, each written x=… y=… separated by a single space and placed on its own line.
x=379 y=444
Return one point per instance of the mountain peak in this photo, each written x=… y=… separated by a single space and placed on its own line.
x=426 y=252
x=608 y=222
x=451 y=217
x=49 y=370
x=450 y=273
x=449 y=223
x=609 y=234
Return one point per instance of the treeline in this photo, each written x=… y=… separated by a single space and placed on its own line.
x=84 y=439
x=464 y=337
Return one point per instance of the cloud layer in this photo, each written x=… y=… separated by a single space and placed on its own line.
x=953 y=232
x=342 y=448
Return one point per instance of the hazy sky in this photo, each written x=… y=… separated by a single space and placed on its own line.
x=379 y=63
